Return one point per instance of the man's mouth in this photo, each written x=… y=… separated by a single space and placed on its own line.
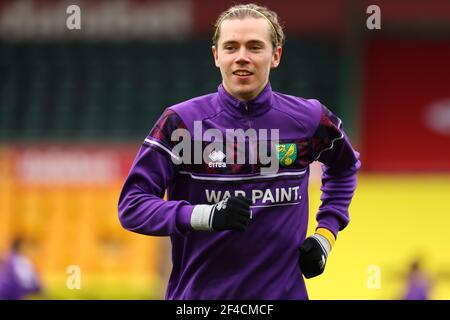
x=242 y=73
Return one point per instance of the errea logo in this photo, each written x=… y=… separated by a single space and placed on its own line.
x=217 y=159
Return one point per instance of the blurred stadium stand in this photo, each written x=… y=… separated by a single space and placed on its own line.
x=76 y=104
x=58 y=91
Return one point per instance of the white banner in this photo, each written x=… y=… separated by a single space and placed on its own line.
x=99 y=20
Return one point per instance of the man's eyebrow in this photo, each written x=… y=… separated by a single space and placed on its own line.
x=255 y=42
x=229 y=42
x=248 y=42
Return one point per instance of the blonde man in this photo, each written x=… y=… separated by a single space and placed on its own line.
x=236 y=232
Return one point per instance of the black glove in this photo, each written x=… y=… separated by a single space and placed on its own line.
x=231 y=214
x=313 y=256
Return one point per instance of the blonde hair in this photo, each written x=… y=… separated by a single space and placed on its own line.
x=241 y=11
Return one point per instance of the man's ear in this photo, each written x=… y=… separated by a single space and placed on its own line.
x=215 y=54
x=276 y=57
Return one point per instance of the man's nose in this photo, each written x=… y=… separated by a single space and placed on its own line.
x=242 y=56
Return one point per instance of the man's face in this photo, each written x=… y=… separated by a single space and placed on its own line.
x=245 y=55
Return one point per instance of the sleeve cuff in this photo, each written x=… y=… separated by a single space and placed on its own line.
x=330 y=223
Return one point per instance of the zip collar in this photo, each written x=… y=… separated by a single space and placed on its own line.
x=255 y=107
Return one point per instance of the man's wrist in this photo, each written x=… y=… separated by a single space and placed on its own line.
x=326 y=238
x=327 y=234
x=201 y=217
x=324 y=244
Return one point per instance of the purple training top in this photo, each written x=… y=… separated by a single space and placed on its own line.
x=262 y=262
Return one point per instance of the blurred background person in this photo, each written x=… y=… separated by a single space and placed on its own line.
x=418 y=282
x=18 y=277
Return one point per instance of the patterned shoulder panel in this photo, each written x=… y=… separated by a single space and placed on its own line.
x=167 y=123
x=326 y=134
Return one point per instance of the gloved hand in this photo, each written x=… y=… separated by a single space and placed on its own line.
x=313 y=255
x=232 y=213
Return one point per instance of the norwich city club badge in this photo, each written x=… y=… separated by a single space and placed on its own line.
x=286 y=153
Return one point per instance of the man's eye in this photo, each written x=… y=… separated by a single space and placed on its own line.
x=255 y=48
x=229 y=48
